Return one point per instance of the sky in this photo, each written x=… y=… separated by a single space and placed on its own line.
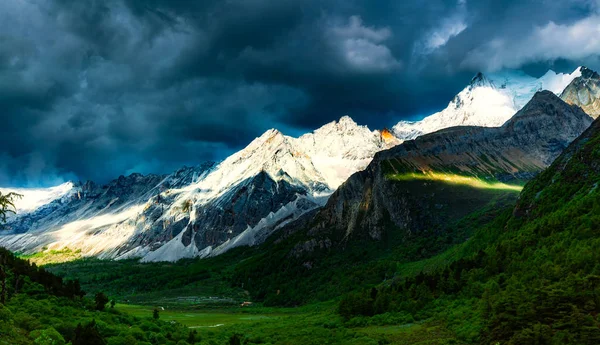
x=90 y=90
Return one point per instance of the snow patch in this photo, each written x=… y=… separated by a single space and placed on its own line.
x=34 y=198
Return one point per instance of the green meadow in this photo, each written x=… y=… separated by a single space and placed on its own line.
x=313 y=324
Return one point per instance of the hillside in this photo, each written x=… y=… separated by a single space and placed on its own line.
x=529 y=278
x=38 y=307
x=420 y=184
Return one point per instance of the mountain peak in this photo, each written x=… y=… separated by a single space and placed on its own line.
x=388 y=137
x=480 y=80
x=551 y=106
x=541 y=99
x=269 y=135
x=342 y=126
x=346 y=121
x=544 y=95
x=588 y=73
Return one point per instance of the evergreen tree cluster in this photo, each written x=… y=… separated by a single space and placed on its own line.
x=18 y=275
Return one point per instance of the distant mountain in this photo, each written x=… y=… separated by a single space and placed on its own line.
x=196 y=211
x=584 y=91
x=423 y=184
x=91 y=218
x=486 y=102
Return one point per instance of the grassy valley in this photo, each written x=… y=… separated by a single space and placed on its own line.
x=291 y=302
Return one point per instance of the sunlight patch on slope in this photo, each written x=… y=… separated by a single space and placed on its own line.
x=99 y=234
x=454 y=179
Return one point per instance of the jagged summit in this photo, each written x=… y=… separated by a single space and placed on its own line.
x=344 y=125
x=480 y=80
x=268 y=135
x=388 y=137
x=588 y=73
x=346 y=121
x=478 y=104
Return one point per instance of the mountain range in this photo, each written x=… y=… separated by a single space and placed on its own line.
x=277 y=180
x=427 y=183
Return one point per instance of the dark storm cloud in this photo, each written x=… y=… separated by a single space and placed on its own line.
x=94 y=89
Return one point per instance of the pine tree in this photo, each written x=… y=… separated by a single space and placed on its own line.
x=101 y=301
x=7 y=205
x=88 y=335
x=192 y=337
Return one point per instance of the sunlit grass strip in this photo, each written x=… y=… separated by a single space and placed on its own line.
x=454 y=179
x=52 y=256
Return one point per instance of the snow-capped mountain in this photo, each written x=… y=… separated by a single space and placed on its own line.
x=486 y=102
x=204 y=210
x=270 y=183
x=342 y=148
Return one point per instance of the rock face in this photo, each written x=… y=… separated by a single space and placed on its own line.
x=204 y=210
x=420 y=184
x=584 y=92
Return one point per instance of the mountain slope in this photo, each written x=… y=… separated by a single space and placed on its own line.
x=486 y=102
x=38 y=307
x=483 y=158
x=529 y=278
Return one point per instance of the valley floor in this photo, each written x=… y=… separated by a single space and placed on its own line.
x=314 y=324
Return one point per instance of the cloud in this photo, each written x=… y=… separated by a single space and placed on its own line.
x=95 y=89
x=363 y=47
x=449 y=27
x=575 y=41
